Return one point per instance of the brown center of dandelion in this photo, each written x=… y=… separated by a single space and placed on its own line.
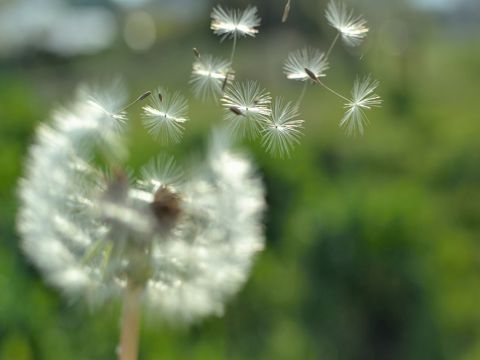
x=166 y=208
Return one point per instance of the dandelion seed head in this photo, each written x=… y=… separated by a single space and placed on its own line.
x=283 y=129
x=353 y=29
x=188 y=239
x=54 y=216
x=164 y=118
x=209 y=76
x=209 y=255
x=229 y=23
x=312 y=59
x=247 y=106
x=363 y=98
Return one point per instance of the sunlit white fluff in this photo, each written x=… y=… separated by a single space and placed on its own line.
x=229 y=23
x=247 y=107
x=363 y=98
x=353 y=29
x=307 y=58
x=91 y=233
x=208 y=256
x=58 y=191
x=166 y=115
x=210 y=76
x=283 y=129
x=161 y=171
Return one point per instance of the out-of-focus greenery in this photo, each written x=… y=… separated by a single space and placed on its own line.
x=373 y=243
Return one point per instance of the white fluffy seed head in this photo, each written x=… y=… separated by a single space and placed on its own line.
x=283 y=129
x=210 y=76
x=166 y=115
x=57 y=194
x=229 y=23
x=353 y=29
x=247 y=107
x=363 y=98
x=312 y=59
x=208 y=256
x=189 y=240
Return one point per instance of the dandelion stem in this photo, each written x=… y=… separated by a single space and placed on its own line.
x=302 y=95
x=332 y=46
x=234 y=49
x=130 y=323
x=333 y=91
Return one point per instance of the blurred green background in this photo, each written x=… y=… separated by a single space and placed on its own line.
x=373 y=243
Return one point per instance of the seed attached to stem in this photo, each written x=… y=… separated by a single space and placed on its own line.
x=286 y=11
x=196 y=53
x=311 y=75
x=140 y=98
x=144 y=96
x=235 y=110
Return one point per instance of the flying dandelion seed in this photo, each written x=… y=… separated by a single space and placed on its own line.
x=230 y=23
x=283 y=129
x=247 y=107
x=312 y=59
x=165 y=116
x=109 y=99
x=353 y=29
x=363 y=98
x=210 y=76
x=185 y=239
x=286 y=11
x=196 y=52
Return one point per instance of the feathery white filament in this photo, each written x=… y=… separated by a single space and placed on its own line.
x=283 y=129
x=165 y=116
x=307 y=58
x=57 y=195
x=230 y=23
x=161 y=171
x=247 y=106
x=353 y=29
x=210 y=76
x=363 y=98
x=209 y=255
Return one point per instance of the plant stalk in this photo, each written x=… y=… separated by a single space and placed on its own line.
x=234 y=49
x=331 y=46
x=333 y=91
x=302 y=95
x=130 y=323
